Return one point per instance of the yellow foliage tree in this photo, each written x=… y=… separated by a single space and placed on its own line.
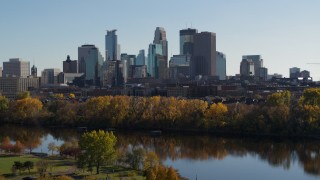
x=215 y=115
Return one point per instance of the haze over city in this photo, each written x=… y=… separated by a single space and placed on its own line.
x=284 y=33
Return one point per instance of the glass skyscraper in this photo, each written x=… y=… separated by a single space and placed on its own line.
x=112 y=46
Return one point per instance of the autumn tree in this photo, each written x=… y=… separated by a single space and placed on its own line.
x=6 y=145
x=26 y=110
x=18 y=147
x=4 y=107
x=215 y=115
x=98 y=148
x=151 y=160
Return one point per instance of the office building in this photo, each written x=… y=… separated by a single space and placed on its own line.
x=16 y=68
x=247 y=67
x=263 y=73
x=154 y=51
x=160 y=38
x=141 y=58
x=114 y=74
x=179 y=66
x=70 y=66
x=10 y=87
x=257 y=61
x=49 y=76
x=187 y=40
x=91 y=64
x=112 y=46
x=294 y=72
x=221 y=66
x=203 y=62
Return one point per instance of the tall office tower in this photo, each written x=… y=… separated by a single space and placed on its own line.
x=49 y=76
x=203 y=61
x=160 y=38
x=154 y=51
x=16 y=67
x=258 y=63
x=112 y=46
x=247 y=67
x=179 y=66
x=294 y=72
x=114 y=73
x=70 y=66
x=90 y=63
x=187 y=40
x=263 y=73
x=34 y=71
x=141 y=58
x=221 y=65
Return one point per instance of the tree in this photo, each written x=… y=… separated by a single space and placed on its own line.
x=6 y=145
x=42 y=166
x=18 y=166
x=52 y=147
x=26 y=110
x=23 y=95
x=64 y=177
x=4 y=106
x=98 y=148
x=135 y=159
x=151 y=160
x=28 y=165
x=18 y=147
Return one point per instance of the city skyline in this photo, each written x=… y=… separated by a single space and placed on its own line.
x=283 y=33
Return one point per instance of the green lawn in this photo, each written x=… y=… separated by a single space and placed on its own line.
x=63 y=166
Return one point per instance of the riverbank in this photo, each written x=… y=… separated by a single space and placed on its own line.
x=58 y=166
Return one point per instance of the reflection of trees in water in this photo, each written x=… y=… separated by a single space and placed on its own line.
x=280 y=153
x=276 y=152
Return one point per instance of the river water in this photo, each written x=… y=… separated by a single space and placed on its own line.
x=201 y=156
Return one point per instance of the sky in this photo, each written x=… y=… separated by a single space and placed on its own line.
x=286 y=33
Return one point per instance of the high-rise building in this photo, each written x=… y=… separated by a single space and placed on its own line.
x=187 y=40
x=203 y=61
x=221 y=66
x=247 y=67
x=263 y=73
x=16 y=67
x=258 y=63
x=161 y=38
x=70 y=66
x=305 y=74
x=294 y=72
x=154 y=51
x=49 y=76
x=112 y=46
x=141 y=58
x=179 y=66
x=90 y=63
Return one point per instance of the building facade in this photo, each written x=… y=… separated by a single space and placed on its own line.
x=112 y=46
x=257 y=61
x=294 y=72
x=10 y=87
x=187 y=40
x=247 y=67
x=221 y=66
x=70 y=66
x=15 y=67
x=141 y=58
x=49 y=76
x=203 y=61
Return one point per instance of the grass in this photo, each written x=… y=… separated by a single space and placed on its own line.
x=60 y=166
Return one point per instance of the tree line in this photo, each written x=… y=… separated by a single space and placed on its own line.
x=280 y=114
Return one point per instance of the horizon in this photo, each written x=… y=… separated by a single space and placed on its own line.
x=44 y=33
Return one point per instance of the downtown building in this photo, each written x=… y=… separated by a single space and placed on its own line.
x=157 y=65
x=90 y=64
x=204 y=59
x=15 y=67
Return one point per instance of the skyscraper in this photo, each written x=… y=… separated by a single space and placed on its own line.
x=221 y=65
x=247 y=67
x=160 y=38
x=187 y=40
x=257 y=61
x=294 y=72
x=204 y=61
x=90 y=63
x=112 y=46
x=154 y=51
x=16 y=67
x=141 y=58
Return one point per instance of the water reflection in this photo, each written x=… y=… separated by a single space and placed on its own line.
x=277 y=153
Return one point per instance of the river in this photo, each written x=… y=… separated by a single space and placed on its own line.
x=202 y=156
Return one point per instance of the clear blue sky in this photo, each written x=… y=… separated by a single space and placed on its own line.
x=285 y=32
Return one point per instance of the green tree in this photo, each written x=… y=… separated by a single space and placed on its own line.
x=18 y=166
x=28 y=165
x=98 y=148
x=279 y=98
x=23 y=95
x=4 y=106
x=136 y=157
